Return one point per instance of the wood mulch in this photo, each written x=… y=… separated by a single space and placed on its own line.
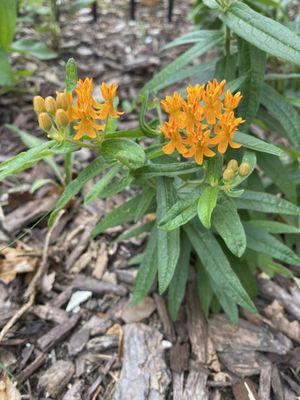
x=73 y=334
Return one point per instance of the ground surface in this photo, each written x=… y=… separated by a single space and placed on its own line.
x=79 y=339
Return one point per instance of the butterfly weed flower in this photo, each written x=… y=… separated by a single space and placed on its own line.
x=203 y=122
x=78 y=109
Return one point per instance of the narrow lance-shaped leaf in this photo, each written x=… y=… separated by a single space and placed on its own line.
x=261 y=241
x=216 y=264
x=206 y=204
x=263 y=32
x=252 y=63
x=8 y=19
x=177 y=286
x=196 y=51
x=93 y=169
x=253 y=143
x=147 y=270
x=284 y=112
x=99 y=186
x=119 y=215
x=168 y=243
x=227 y=223
x=265 y=202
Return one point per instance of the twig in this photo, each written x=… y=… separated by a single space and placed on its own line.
x=16 y=316
x=32 y=288
x=44 y=264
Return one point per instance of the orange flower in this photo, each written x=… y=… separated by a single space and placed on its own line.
x=172 y=105
x=199 y=142
x=213 y=105
x=232 y=101
x=171 y=131
x=192 y=109
x=84 y=111
x=224 y=131
x=107 y=108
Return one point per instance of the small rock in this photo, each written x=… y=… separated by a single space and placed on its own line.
x=139 y=312
x=56 y=378
x=77 y=298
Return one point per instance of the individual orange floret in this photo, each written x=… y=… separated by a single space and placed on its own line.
x=107 y=108
x=193 y=111
x=211 y=98
x=199 y=142
x=172 y=105
x=224 y=131
x=232 y=101
x=171 y=131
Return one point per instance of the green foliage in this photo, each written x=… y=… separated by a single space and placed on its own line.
x=8 y=19
x=209 y=218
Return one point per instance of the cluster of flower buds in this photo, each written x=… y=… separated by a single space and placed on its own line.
x=52 y=113
x=233 y=169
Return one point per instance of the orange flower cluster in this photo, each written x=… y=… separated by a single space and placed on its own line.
x=81 y=109
x=202 y=121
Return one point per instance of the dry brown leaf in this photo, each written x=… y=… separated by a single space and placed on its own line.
x=117 y=330
x=14 y=262
x=8 y=391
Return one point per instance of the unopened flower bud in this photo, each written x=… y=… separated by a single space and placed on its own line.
x=61 y=100
x=228 y=174
x=45 y=122
x=61 y=118
x=244 y=169
x=38 y=104
x=50 y=105
x=233 y=164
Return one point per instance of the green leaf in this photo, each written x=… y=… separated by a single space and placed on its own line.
x=204 y=289
x=93 y=169
x=25 y=159
x=127 y=152
x=194 y=52
x=146 y=127
x=217 y=266
x=8 y=19
x=184 y=73
x=245 y=275
x=116 y=186
x=71 y=75
x=201 y=35
x=180 y=213
x=263 y=32
x=147 y=270
x=268 y=266
x=253 y=143
x=265 y=202
x=252 y=63
x=227 y=223
x=168 y=243
x=262 y=242
x=95 y=192
x=177 y=286
x=119 y=215
x=135 y=231
x=39 y=183
x=170 y=169
x=147 y=197
x=276 y=171
x=283 y=112
x=7 y=77
x=273 y=226
x=206 y=204
x=214 y=169
x=33 y=47
x=226 y=67
x=31 y=142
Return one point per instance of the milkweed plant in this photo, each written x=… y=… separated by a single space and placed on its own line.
x=213 y=199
